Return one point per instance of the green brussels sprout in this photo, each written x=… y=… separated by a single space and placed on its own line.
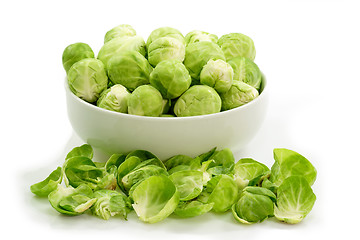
x=290 y=163
x=239 y=94
x=198 y=54
x=192 y=208
x=48 y=185
x=114 y=98
x=295 y=199
x=246 y=71
x=74 y=53
x=198 y=36
x=110 y=203
x=255 y=205
x=87 y=79
x=122 y=30
x=84 y=150
x=155 y=199
x=72 y=201
x=248 y=172
x=198 y=100
x=140 y=174
x=171 y=78
x=189 y=183
x=217 y=74
x=222 y=162
x=145 y=100
x=164 y=32
x=130 y=69
x=220 y=190
x=119 y=45
x=237 y=45
x=165 y=48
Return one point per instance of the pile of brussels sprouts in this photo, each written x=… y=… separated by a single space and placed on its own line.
x=168 y=75
x=182 y=186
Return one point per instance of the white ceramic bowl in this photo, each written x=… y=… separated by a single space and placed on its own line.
x=111 y=132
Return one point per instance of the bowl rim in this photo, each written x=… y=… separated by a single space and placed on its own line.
x=264 y=86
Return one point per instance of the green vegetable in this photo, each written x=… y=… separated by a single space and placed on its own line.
x=155 y=198
x=217 y=74
x=239 y=94
x=120 y=45
x=114 y=98
x=222 y=162
x=222 y=191
x=295 y=199
x=72 y=201
x=166 y=48
x=197 y=56
x=249 y=172
x=199 y=36
x=48 y=185
x=130 y=69
x=192 y=209
x=145 y=101
x=189 y=183
x=246 y=71
x=290 y=163
x=110 y=203
x=255 y=205
x=164 y=32
x=74 y=53
x=87 y=79
x=171 y=78
x=198 y=100
x=237 y=45
x=122 y=30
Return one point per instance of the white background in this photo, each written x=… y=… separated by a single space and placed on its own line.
x=309 y=51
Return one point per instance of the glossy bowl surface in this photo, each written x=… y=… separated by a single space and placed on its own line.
x=111 y=132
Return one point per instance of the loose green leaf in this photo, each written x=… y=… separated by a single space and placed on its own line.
x=48 y=185
x=295 y=199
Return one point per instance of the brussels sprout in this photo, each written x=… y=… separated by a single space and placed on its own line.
x=145 y=101
x=87 y=79
x=249 y=172
x=143 y=155
x=222 y=162
x=246 y=71
x=110 y=203
x=177 y=160
x=114 y=99
x=164 y=32
x=171 y=78
x=198 y=54
x=255 y=205
x=130 y=69
x=82 y=170
x=140 y=174
x=74 y=53
x=48 y=185
x=189 y=183
x=122 y=30
x=155 y=199
x=199 y=36
x=119 y=45
x=220 y=190
x=72 y=201
x=198 y=100
x=217 y=74
x=239 y=94
x=290 y=163
x=84 y=150
x=192 y=209
x=237 y=45
x=295 y=199
x=114 y=162
x=166 y=48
